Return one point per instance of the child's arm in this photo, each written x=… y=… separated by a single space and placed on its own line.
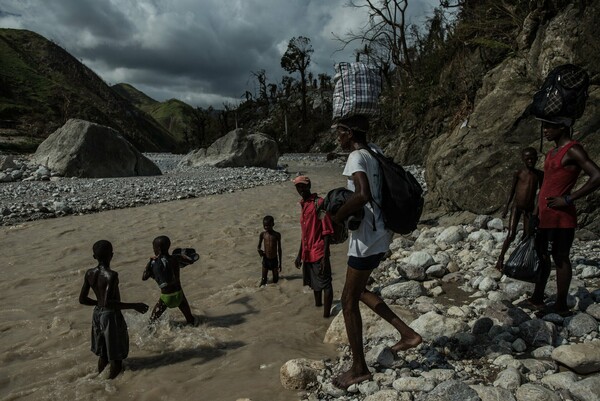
x=259 y=248
x=511 y=194
x=147 y=271
x=84 y=299
x=113 y=288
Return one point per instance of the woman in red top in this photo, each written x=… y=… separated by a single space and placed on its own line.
x=556 y=209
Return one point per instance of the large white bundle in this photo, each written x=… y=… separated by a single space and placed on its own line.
x=356 y=91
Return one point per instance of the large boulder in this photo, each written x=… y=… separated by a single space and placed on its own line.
x=84 y=149
x=239 y=148
x=470 y=165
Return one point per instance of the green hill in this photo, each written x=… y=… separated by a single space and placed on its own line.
x=190 y=127
x=134 y=96
x=42 y=86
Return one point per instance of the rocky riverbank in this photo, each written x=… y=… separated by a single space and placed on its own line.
x=481 y=342
x=29 y=191
x=32 y=192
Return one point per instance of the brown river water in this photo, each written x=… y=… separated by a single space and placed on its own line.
x=245 y=333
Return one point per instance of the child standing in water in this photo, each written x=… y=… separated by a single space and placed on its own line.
x=526 y=181
x=164 y=269
x=271 y=255
x=110 y=340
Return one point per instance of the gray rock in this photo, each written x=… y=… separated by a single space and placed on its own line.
x=488 y=393
x=435 y=271
x=451 y=235
x=537 y=332
x=432 y=325
x=542 y=352
x=380 y=355
x=407 y=289
x=594 y=311
x=496 y=224
x=368 y=387
x=297 y=374
x=539 y=366
x=238 y=148
x=510 y=379
x=519 y=345
x=590 y=272
x=562 y=380
x=84 y=149
x=505 y=315
x=413 y=384
x=581 y=358
x=383 y=395
x=452 y=390
x=482 y=326
x=481 y=221
x=587 y=389
x=535 y=392
x=581 y=324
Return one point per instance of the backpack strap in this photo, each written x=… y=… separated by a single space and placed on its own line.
x=371 y=201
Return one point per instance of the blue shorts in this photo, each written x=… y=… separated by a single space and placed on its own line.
x=365 y=263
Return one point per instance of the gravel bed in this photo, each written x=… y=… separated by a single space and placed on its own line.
x=22 y=201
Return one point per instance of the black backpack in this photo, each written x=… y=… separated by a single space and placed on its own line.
x=563 y=93
x=401 y=196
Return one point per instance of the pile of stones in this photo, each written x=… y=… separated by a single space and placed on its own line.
x=481 y=341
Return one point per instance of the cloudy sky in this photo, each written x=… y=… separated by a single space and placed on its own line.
x=200 y=51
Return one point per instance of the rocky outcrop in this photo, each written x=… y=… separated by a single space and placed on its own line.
x=84 y=149
x=239 y=148
x=469 y=167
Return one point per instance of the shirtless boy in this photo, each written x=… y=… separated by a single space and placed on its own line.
x=271 y=255
x=164 y=269
x=526 y=182
x=110 y=340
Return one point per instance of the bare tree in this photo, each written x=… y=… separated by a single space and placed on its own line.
x=261 y=77
x=297 y=59
x=387 y=29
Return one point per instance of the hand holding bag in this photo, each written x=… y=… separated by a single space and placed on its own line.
x=523 y=263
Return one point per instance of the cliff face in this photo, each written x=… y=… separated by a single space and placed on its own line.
x=469 y=166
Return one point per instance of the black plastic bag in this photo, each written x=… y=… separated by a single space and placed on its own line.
x=523 y=263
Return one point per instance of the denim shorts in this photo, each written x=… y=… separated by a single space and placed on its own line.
x=365 y=263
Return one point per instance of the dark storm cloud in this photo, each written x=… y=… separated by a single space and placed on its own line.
x=200 y=51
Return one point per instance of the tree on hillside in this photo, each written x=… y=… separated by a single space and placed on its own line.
x=297 y=59
x=387 y=28
x=261 y=77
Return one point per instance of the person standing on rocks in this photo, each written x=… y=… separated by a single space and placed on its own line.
x=556 y=211
x=313 y=254
x=110 y=339
x=367 y=246
x=526 y=181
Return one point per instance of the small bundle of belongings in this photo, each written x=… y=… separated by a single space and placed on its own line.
x=357 y=87
x=562 y=97
x=185 y=256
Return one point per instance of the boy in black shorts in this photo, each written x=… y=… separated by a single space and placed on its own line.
x=271 y=255
x=110 y=340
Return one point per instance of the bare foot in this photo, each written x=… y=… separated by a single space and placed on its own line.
x=349 y=378
x=407 y=343
x=532 y=304
x=500 y=265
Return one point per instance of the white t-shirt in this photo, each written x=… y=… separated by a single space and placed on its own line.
x=365 y=241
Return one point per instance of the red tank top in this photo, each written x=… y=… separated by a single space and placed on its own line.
x=558 y=181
